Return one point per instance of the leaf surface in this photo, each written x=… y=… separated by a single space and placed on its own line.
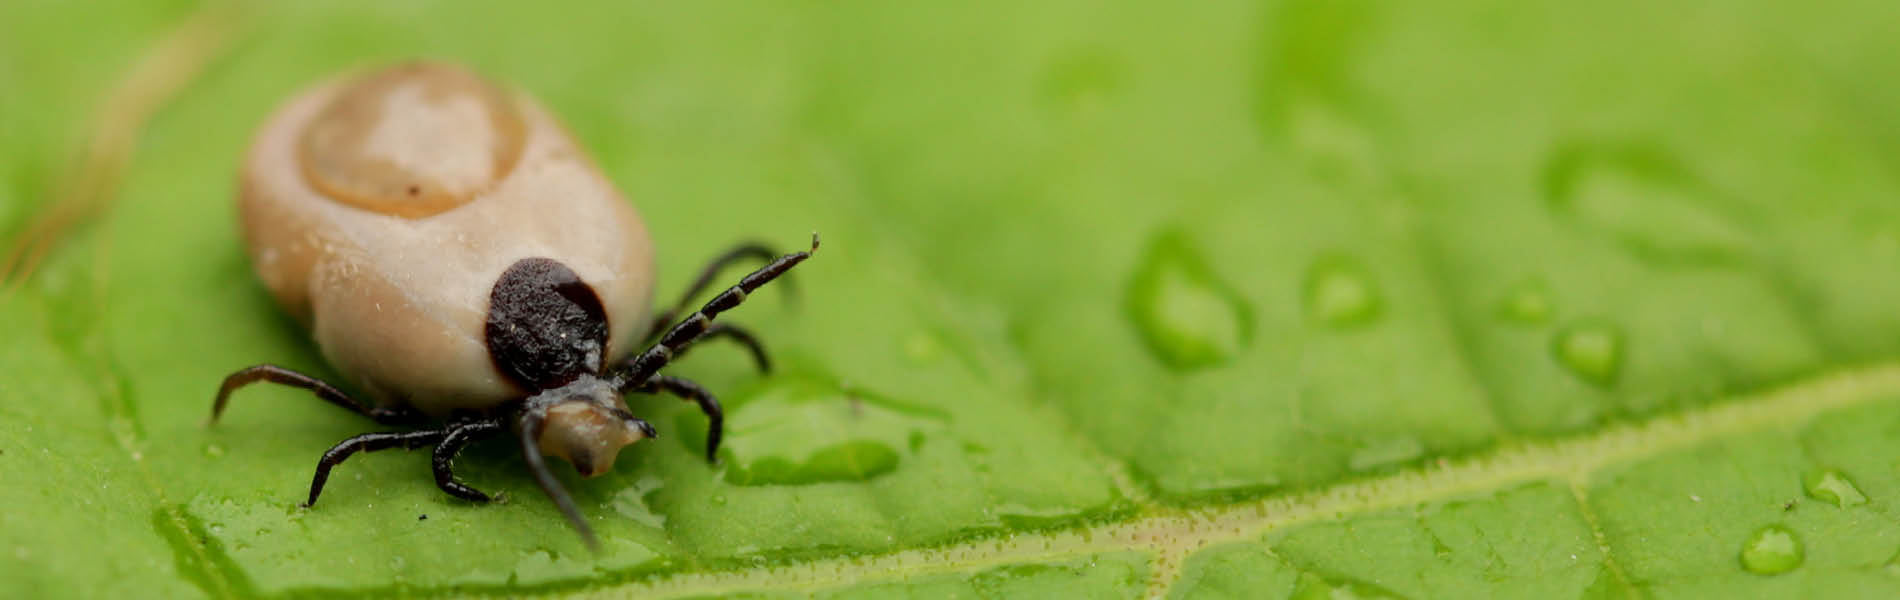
x=1467 y=299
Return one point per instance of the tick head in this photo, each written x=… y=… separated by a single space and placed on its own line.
x=586 y=424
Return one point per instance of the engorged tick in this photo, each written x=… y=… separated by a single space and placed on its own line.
x=509 y=298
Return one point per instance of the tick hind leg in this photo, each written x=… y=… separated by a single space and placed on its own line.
x=368 y=442
x=324 y=391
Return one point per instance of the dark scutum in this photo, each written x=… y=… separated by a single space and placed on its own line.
x=545 y=326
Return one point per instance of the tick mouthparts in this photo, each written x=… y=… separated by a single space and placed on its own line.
x=589 y=435
x=645 y=427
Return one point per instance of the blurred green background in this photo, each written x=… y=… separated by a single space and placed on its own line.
x=1222 y=299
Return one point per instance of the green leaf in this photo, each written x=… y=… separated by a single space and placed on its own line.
x=1291 y=298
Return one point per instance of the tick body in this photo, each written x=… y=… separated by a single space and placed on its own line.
x=466 y=268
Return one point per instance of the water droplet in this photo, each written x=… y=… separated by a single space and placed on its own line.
x=849 y=461
x=1527 y=303
x=1314 y=587
x=1591 y=350
x=1340 y=292
x=1023 y=516
x=1646 y=199
x=1385 y=452
x=214 y=450
x=1188 y=317
x=1772 y=550
x=1833 y=486
x=795 y=431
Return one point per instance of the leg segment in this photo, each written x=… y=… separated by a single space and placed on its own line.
x=739 y=335
x=686 y=389
x=324 y=391
x=636 y=371
x=528 y=432
x=368 y=442
x=460 y=436
x=748 y=250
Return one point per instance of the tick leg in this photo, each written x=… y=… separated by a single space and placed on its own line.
x=528 y=429
x=686 y=389
x=743 y=251
x=739 y=335
x=368 y=442
x=636 y=371
x=460 y=436
x=324 y=391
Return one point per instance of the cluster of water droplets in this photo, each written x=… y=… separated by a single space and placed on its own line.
x=1777 y=548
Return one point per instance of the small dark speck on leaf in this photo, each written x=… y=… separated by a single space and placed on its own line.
x=1787 y=506
x=422 y=517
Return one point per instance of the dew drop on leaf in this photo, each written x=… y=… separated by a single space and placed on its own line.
x=1340 y=293
x=1189 y=318
x=1591 y=350
x=1772 y=550
x=1526 y=303
x=1830 y=485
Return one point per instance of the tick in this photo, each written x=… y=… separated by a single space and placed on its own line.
x=461 y=262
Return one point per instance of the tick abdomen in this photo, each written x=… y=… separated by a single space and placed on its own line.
x=396 y=289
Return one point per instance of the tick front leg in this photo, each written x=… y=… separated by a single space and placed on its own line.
x=460 y=436
x=368 y=442
x=640 y=369
x=744 y=251
x=738 y=335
